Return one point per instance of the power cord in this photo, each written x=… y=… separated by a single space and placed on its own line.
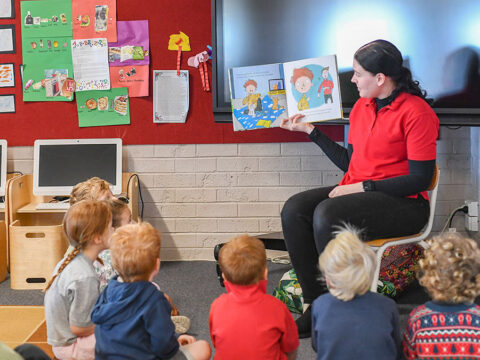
x=448 y=223
x=139 y=192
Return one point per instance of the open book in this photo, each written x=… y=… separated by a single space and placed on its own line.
x=263 y=95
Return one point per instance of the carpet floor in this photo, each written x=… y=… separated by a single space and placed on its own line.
x=192 y=285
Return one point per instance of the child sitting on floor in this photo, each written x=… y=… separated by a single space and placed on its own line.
x=73 y=290
x=351 y=322
x=448 y=327
x=132 y=315
x=246 y=323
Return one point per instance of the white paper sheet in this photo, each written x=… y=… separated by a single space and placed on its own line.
x=90 y=64
x=6 y=40
x=5 y=8
x=7 y=104
x=170 y=96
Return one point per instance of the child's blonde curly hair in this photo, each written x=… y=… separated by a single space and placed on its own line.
x=450 y=269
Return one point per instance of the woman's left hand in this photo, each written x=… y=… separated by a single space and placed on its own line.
x=346 y=189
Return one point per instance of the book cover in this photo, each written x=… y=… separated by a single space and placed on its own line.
x=263 y=95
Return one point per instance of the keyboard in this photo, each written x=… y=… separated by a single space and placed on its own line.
x=53 y=206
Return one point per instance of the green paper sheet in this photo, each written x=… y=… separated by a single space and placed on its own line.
x=46 y=48
x=103 y=107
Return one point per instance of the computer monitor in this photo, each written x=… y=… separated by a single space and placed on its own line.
x=58 y=165
x=3 y=166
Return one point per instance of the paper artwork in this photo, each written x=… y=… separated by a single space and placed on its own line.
x=129 y=57
x=7 y=75
x=90 y=64
x=170 y=96
x=94 y=18
x=47 y=55
x=103 y=108
x=7 y=9
x=7 y=39
x=7 y=103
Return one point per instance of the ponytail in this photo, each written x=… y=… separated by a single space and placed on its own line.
x=65 y=262
x=405 y=83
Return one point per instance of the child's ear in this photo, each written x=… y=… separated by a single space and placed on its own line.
x=265 y=274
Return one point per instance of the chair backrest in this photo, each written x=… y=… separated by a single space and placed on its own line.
x=433 y=188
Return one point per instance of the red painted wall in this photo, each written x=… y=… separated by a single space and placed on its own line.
x=57 y=120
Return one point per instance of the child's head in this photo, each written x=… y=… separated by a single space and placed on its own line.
x=450 y=270
x=91 y=189
x=86 y=223
x=121 y=214
x=250 y=86
x=348 y=265
x=135 y=250
x=243 y=260
x=302 y=79
x=86 y=220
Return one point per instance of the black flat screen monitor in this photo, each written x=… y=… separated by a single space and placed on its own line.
x=61 y=164
x=439 y=39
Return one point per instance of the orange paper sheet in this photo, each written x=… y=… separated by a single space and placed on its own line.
x=94 y=18
x=134 y=77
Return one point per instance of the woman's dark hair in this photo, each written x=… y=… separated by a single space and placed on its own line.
x=381 y=56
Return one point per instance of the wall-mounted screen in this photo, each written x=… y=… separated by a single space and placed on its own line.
x=440 y=42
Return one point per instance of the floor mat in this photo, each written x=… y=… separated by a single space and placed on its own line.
x=24 y=324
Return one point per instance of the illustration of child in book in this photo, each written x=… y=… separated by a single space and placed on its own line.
x=251 y=99
x=302 y=79
x=326 y=85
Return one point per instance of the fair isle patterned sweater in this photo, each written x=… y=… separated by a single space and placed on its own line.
x=443 y=331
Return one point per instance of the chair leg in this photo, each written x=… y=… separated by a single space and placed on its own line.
x=379 y=254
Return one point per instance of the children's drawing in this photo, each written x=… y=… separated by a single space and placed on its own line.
x=262 y=96
x=326 y=86
x=7 y=78
x=258 y=96
x=302 y=79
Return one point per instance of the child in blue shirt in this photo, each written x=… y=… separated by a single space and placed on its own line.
x=350 y=322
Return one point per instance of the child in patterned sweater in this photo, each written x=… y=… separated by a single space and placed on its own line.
x=448 y=327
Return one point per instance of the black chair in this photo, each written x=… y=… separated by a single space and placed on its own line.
x=272 y=241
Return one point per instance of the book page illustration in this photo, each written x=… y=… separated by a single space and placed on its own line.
x=312 y=88
x=258 y=96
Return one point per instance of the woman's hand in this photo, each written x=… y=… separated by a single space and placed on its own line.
x=186 y=339
x=293 y=123
x=346 y=189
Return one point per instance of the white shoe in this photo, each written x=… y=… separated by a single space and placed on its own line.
x=182 y=324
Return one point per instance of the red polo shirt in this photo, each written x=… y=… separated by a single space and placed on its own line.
x=383 y=142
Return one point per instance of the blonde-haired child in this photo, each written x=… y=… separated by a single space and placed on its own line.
x=132 y=315
x=351 y=322
x=448 y=327
x=246 y=323
x=121 y=215
x=74 y=288
x=91 y=189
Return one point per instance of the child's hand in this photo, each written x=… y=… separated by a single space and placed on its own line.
x=185 y=339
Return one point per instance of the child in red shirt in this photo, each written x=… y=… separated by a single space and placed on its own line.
x=246 y=323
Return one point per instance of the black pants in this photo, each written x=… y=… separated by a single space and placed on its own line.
x=310 y=217
x=31 y=352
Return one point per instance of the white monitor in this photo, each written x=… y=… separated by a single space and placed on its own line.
x=3 y=166
x=58 y=165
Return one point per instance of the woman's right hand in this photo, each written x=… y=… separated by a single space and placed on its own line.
x=293 y=123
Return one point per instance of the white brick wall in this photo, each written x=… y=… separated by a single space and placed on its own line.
x=201 y=195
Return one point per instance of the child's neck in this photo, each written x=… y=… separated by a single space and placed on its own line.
x=92 y=251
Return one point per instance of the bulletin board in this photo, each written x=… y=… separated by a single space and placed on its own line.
x=59 y=120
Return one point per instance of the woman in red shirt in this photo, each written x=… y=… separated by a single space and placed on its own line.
x=388 y=164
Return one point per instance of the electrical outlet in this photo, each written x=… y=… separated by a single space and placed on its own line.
x=471 y=223
x=472 y=207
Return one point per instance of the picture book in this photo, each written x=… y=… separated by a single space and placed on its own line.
x=262 y=96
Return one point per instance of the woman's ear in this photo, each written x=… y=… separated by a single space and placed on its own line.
x=380 y=78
